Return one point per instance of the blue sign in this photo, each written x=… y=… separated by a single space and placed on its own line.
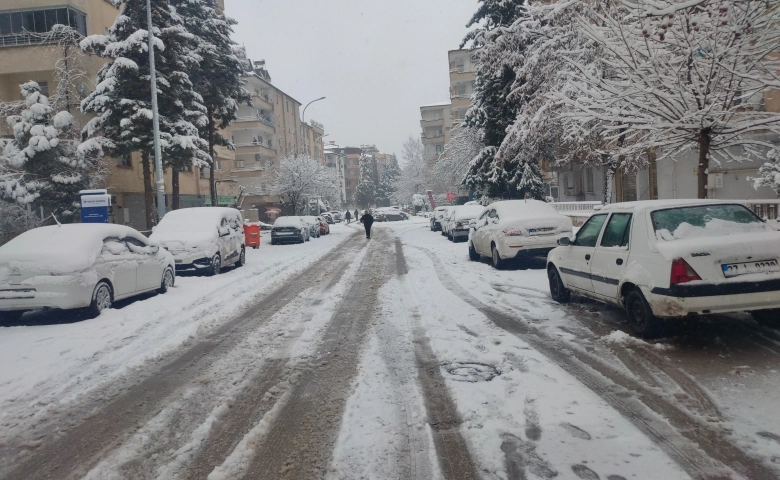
x=95 y=205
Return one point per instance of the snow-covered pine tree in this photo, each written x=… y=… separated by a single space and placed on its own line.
x=42 y=169
x=366 y=189
x=387 y=184
x=769 y=173
x=490 y=112
x=122 y=97
x=218 y=75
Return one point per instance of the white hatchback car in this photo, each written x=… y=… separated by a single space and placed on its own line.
x=517 y=229
x=80 y=266
x=458 y=220
x=436 y=218
x=203 y=239
x=671 y=258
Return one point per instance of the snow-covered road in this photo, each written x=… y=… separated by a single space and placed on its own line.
x=389 y=358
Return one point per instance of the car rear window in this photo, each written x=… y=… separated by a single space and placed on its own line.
x=705 y=220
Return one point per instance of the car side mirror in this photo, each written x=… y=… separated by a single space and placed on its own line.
x=155 y=249
x=473 y=224
x=154 y=228
x=564 y=241
x=223 y=232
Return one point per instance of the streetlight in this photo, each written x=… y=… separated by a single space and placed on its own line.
x=159 y=179
x=303 y=119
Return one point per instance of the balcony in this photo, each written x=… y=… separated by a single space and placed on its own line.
x=263 y=124
x=262 y=148
x=432 y=123
x=262 y=100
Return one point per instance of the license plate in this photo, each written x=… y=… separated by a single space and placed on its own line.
x=178 y=261
x=761 y=266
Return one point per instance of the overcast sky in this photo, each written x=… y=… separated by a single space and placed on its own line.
x=376 y=61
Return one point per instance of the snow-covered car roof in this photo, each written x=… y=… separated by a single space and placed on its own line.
x=468 y=212
x=196 y=219
x=657 y=204
x=290 y=221
x=511 y=209
x=63 y=248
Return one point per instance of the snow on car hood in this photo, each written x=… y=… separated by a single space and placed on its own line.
x=560 y=223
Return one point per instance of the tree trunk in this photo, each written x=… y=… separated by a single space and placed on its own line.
x=148 y=191
x=704 y=161
x=212 y=179
x=175 y=188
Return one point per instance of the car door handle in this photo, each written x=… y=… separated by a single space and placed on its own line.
x=619 y=261
x=587 y=257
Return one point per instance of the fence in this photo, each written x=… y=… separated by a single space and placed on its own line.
x=578 y=211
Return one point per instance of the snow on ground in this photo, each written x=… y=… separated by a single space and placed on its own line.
x=48 y=366
x=514 y=403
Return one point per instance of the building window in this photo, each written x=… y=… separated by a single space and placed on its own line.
x=124 y=161
x=589 y=180
x=439 y=148
x=15 y=24
x=217 y=164
x=44 y=88
x=348 y=183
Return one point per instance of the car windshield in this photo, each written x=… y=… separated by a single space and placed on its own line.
x=705 y=221
x=288 y=222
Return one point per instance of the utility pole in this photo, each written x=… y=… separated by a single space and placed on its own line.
x=159 y=178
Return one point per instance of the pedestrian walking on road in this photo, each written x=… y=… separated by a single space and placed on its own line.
x=367 y=220
x=357 y=215
x=348 y=217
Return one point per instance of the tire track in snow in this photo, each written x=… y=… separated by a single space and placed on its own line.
x=454 y=457
x=698 y=447
x=80 y=446
x=299 y=441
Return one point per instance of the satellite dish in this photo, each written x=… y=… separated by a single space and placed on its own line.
x=83 y=90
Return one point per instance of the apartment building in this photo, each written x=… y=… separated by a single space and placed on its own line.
x=336 y=159
x=23 y=57
x=462 y=77
x=436 y=123
x=264 y=132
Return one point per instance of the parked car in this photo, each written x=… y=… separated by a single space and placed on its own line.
x=314 y=225
x=672 y=258
x=290 y=229
x=445 y=221
x=516 y=229
x=80 y=266
x=203 y=239
x=436 y=217
x=392 y=214
x=336 y=216
x=458 y=221
x=328 y=218
x=324 y=227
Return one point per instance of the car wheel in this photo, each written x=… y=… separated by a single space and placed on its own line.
x=473 y=255
x=770 y=318
x=273 y=242
x=167 y=281
x=101 y=299
x=241 y=258
x=498 y=262
x=640 y=316
x=558 y=291
x=216 y=266
x=11 y=316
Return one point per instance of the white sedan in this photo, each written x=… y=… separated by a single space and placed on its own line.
x=517 y=229
x=80 y=266
x=672 y=258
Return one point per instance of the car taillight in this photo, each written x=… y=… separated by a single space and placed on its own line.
x=512 y=232
x=459 y=225
x=682 y=272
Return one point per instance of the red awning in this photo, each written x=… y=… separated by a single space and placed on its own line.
x=273 y=210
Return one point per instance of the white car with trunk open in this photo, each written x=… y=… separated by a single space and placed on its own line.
x=80 y=266
x=203 y=239
x=517 y=229
x=672 y=258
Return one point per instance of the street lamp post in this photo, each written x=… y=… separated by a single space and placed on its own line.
x=159 y=179
x=303 y=118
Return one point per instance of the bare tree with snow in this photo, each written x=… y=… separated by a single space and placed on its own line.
x=300 y=176
x=683 y=76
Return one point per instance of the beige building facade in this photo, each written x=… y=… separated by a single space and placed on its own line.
x=23 y=58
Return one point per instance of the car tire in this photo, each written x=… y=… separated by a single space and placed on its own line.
x=496 y=260
x=241 y=258
x=216 y=266
x=168 y=279
x=273 y=242
x=473 y=255
x=102 y=299
x=770 y=318
x=640 y=316
x=558 y=291
x=11 y=316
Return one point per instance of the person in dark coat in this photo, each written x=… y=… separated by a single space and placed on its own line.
x=357 y=215
x=348 y=217
x=367 y=220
